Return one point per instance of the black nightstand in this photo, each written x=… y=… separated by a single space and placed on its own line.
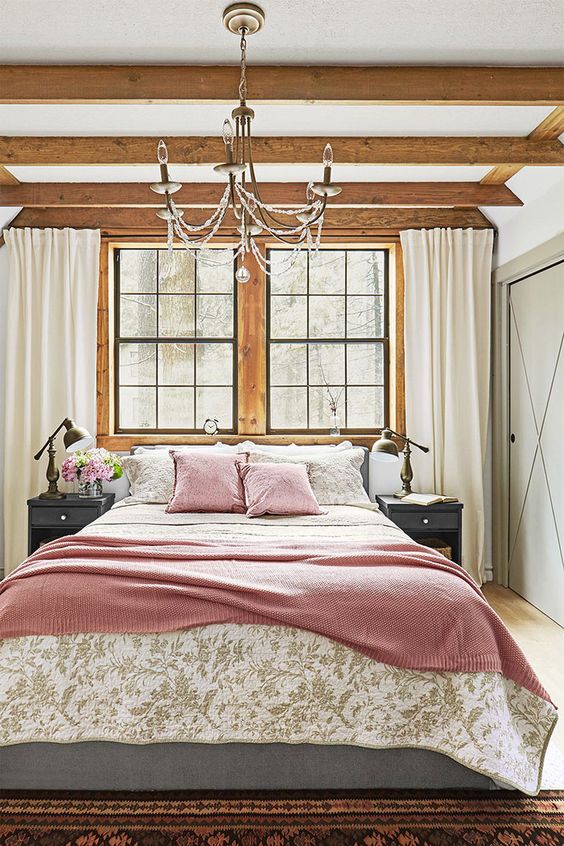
x=443 y=520
x=54 y=518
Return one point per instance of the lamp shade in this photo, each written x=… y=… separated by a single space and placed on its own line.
x=76 y=437
x=384 y=449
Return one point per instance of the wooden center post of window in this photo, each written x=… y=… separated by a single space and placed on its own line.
x=251 y=303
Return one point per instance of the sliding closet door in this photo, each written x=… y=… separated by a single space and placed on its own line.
x=536 y=509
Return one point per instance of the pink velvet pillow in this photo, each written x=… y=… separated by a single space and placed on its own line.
x=278 y=489
x=207 y=482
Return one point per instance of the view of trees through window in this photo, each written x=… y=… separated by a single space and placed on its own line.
x=327 y=338
x=175 y=340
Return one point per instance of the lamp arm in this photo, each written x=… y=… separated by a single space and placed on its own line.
x=409 y=441
x=419 y=446
x=38 y=455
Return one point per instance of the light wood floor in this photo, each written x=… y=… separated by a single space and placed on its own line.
x=540 y=638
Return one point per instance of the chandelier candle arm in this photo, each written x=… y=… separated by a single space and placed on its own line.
x=280 y=233
x=300 y=227
x=326 y=188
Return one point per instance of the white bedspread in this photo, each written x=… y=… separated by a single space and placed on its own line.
x=261 y=684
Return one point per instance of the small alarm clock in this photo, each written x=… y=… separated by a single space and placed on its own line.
x=211 y=426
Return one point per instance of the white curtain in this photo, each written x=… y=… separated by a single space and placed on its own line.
x=51 y=359
x=447 y=369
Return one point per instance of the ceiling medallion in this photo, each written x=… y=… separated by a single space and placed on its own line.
x=297 y=227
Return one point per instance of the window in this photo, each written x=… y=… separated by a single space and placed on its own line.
x=327 y=337
x=175 y=336
x=179 y=341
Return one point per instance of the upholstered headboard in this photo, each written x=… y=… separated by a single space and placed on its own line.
x=363 y=469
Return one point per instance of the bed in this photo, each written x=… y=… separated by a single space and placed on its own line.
x=245 y=705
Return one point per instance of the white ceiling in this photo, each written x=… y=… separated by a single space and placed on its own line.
x=313 y=119
x=495 y=32
x=373 y=32
x=265 y=173
x=168 y=120
x=7 y=213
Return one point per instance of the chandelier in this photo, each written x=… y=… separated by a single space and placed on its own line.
x=297 y=227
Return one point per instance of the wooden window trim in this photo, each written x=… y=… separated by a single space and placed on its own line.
x=251 y=344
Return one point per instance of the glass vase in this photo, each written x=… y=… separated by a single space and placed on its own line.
x=89 y=490
x=334 y=430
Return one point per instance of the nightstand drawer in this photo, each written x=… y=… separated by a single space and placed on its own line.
x=439 y=521
x=60 y=516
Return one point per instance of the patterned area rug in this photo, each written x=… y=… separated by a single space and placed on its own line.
x=360 y=818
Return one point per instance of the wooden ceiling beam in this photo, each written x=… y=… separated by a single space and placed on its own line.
x=500 y=174
x=207 y=195
x=7 y=178
x=467 y=86
x=351 y=218
x=550 y=129
x=203 y=150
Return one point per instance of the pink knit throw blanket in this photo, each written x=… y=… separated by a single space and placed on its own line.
x=397 y=602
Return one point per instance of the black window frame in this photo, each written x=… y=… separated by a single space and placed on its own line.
x=118 y=340
x=385 y=341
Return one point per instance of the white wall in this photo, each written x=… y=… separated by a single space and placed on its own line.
x=542 y=217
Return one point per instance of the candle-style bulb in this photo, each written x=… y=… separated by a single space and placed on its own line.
x=162 y=152
x=328 y=155
x=228 y=134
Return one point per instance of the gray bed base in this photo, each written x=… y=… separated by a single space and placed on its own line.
x=104 y=765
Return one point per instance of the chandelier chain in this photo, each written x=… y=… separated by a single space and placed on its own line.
x=297 y=227
x=243 y=81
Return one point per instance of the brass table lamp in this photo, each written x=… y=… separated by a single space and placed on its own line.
x=74 y=438
x=386 y=449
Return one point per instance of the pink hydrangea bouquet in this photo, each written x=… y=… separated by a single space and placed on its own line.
x=91 y=467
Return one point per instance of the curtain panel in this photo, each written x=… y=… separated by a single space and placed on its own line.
x=51 y=359
x=447 y=368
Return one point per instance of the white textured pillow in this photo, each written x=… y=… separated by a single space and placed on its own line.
x=294 y=449
x=335 y=479
x=151 y=476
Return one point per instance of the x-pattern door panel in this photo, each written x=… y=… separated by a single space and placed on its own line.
x=536 y=508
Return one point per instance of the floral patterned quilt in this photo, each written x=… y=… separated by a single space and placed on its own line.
x=262 y=684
